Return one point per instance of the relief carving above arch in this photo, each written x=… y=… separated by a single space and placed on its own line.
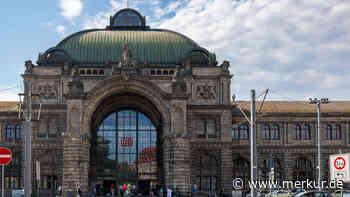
x=114 y=86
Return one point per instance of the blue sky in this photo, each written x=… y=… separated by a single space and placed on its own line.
x=296 y=48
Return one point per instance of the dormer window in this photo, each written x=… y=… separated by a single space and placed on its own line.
x=127 y=18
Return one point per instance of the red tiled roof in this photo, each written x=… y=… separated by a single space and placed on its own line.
x=8 y=106
x=296 y=106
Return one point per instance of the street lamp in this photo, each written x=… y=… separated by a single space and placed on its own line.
x=319 y=102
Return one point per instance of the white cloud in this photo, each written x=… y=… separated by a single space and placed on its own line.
x=101 y=19
x=60 y=29
x=71 y=8
x=9 y=93
x=296 y=47
x=10 y=96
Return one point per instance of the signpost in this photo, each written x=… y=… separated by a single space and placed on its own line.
x=5 y=158
x=339 y=168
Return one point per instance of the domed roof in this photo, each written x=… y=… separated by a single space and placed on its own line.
x=127 y=28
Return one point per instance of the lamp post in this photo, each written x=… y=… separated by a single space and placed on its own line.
x=319 y=102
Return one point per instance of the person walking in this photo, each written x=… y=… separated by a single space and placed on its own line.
x=112 y=189
x=169 y=191
x=79 y=192
x=161 y=191
x=93 y=189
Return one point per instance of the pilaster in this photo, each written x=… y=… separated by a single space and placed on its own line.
x=75 y=164
x=177 y=164
x=288 y=165
x=226 y=170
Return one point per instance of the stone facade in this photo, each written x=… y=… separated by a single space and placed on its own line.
x=189 y=104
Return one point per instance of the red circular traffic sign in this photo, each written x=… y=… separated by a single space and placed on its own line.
x=339 y=163
x=5 y=156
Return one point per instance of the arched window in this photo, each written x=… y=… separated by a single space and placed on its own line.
x=271 y=169
x=337 y=132
x=306 y=132
x=18 y=133
x=243 y=132
x=266 y=132
x=328 y=132
x=10 y=131
x=275 y=132
x=240 y=132
x=209 y=167
x=235 y=132
x=296 y=132
x=241 y=169
x=303 y=169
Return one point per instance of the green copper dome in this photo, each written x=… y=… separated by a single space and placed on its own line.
x=152 y=46
x=127 y=28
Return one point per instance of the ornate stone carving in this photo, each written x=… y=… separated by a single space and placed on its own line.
x=126 y=67
x=29 y=66
x=206 y=92
x=47 y=91
x=76 y=87
x=126 y=55
x=225 y=66
x=67 y=68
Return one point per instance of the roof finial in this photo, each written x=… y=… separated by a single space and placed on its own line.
x=127 y=3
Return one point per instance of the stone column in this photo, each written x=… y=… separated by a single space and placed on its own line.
x=75 y=164
x=226 y=170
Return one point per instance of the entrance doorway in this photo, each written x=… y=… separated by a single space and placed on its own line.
x=125 y=151
x=107 y=184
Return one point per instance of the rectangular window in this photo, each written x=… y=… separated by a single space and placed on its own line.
x=206 y=128
x=10 y=131
x=19 y=130
x=211 y=128
x=235 y=134
x=52 y=128
x=43 y=129
x=201 y=128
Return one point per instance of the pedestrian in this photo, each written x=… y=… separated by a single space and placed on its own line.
x=169 y=191
x=177 y=193
x=93 y=189
x=161 y=191
x=59 y=190
x=78 y=192
x=112 y=189
x=121 y=190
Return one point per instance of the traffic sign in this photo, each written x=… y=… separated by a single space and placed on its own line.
x=5 y=156
x=339 y=163
x=339 y=168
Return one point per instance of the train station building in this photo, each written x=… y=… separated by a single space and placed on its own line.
x=129 y=104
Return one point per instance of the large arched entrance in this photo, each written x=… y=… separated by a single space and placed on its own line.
x=125 y=145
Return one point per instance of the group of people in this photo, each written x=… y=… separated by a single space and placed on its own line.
x=164 y=192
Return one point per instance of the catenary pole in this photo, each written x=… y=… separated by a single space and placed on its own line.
x=252 y=143
x=319 y=143
x=27 y=158
x=319 y=159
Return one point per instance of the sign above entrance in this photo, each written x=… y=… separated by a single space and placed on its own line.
x=126 y=141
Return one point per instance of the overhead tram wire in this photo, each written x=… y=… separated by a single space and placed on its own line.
x=263 y=93
x=7 y=89
x=271 y=104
